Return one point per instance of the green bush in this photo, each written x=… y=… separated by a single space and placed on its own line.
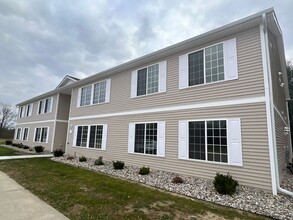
x=13 y=144
x=26 y=147
x=8 y=142
x=99 y=161
x=39 y=149
x=20 y=145
x=118 y=165
x=144 y=170
x=82 y=159
x=177 y=179
x=225 y=184
x=58 y=153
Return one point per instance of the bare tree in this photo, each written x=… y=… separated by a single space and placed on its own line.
x=7 y=116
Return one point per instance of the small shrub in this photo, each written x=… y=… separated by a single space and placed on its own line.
x=8 y=142
x=144 y=170
x=70 y=157
x=13 y=144
x=82 y=159
x=20 y=145
x=177 y=179
x=58 y=153
x=118 y=165
x=99 y=161
x=39 y=149
x=26 y=147
x=225 y=184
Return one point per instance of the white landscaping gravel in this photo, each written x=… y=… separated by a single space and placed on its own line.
x=246 y=198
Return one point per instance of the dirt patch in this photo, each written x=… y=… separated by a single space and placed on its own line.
x=76 y=209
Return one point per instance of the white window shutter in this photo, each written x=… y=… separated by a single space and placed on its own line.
x=234 y=142
x=108 y=90
x=104 y=138
x=134 y=84
x=131 y=134
x=183 y=71
x=230 y=56
x=182 y=140
x=161 y=139
x=163 y=76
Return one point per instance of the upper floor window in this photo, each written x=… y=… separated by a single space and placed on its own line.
x=45 y=105
x=95 y=93
x=149 y=80
x=91 y=136
x=21 y=111
x=41 y=134
x=25 y=111
x=211 y=64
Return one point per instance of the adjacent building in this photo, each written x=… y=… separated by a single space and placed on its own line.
x=213 y=103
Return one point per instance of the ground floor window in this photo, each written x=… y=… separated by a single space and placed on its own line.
x=25 y=134
x=91 y=136
x=146 y=138
x=41 y=134
x=208 y=140
x=18 y=134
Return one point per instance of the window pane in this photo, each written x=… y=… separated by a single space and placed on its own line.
x=195 y=65
x=92 y=136
x=214 y=63
x=40 y=107
x=197 y=140
x=96 y=134
x=78 y=137
x=86 y=95
x=83 y=141
x=141 y=81
x=153 y=79
x=44 y=135
x=217 y=141
x=139 y=138
x=151 y=138
x=47 y=107
x=38 y=134
x=99 y=92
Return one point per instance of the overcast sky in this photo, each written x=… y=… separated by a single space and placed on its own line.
x=42 y=41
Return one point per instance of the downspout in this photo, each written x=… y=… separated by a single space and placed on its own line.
x=270 y=111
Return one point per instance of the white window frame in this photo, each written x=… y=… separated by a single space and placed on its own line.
x=26 y=134
x=29 y=113
x=44 y=105
x=47 y=137
x=227 y=76
x=162 y=78
x=161 y=129
x=104 y=136
x=228 y=130
x=20 y=134
x=22 y=111
x=107 y=95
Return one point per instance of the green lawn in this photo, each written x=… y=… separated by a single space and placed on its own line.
x=9 y=152
x=83 y=194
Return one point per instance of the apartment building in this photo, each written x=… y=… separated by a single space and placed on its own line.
x=213 y=103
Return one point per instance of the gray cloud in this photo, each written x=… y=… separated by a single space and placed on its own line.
x=42 y=41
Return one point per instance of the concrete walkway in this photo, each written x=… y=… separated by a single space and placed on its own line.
x=24 y=156
x=18 y=203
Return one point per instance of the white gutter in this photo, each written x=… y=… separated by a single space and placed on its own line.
x=270 y=110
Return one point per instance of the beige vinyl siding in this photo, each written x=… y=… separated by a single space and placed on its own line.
x=256 y=165
x=30 y=142
x=63 y=107
x=282 y=144
x=249 y=84
x=41 y=117
x=60 y=135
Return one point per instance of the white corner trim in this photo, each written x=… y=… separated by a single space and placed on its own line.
x=270 y=124
x=176 y=108
x=54 y=126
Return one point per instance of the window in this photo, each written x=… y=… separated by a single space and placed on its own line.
x=21 y=112
x=213 y=58
x=208 y=140
x=29 y=109
x=41 y=134
x=25 y=134
x=211 y=64
x=85 y=97
x=45 y=106
x=149 y=80
x=96 y=135
x=91 y=136
x=147 y=138
x=18 y=134
x=99 y=92
x=216 y=144
x=95 y=93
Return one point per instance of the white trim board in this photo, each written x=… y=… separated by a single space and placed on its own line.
x=40 y=122
x=176 y=108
